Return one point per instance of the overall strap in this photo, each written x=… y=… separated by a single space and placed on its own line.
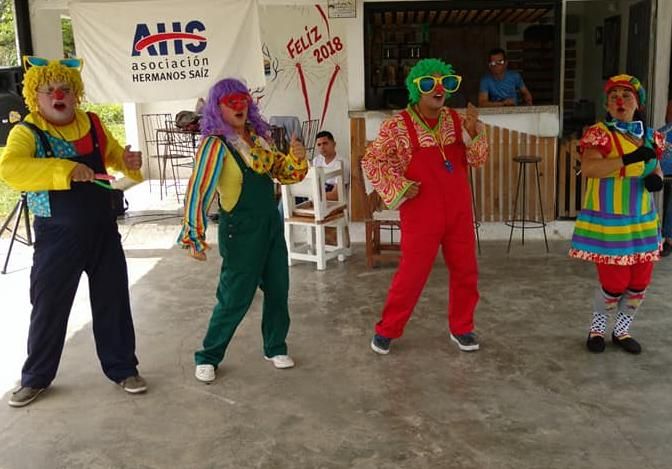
x=619 y=149
x=41 y=134
x=457 y=125
x=236 y=156
x=410 y=126
x=96 y=130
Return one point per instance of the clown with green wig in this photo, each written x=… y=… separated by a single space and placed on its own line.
x=60 y=156
x=618 y=228
x=419 y=163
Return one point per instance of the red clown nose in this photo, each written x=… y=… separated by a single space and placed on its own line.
x=58 y=94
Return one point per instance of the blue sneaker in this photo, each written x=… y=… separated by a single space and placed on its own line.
x=380 y=344
x=466 y=342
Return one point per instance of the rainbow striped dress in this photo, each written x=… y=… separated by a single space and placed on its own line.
x=618 y=223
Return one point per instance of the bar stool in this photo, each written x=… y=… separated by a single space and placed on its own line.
x=523 y=223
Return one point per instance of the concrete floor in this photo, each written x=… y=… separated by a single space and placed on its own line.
x=533 y=397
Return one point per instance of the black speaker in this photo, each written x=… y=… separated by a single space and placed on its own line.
x=10 y=80
x=12 y=107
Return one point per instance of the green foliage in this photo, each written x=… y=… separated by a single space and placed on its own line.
x=9 y=57
x=108 y=113
x=119 y=133
x=112 y=115
x=68 y=38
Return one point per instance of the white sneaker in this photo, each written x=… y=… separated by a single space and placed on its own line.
x=205 y=373
x=281 y=361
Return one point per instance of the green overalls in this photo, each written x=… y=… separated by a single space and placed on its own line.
x=254 y=253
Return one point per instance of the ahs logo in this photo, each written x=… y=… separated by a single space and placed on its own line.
x=144 y=39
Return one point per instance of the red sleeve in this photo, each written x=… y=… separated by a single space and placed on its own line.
x=658 y=144
x=595 y=138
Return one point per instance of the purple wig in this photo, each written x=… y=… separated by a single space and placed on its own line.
x=212 y=122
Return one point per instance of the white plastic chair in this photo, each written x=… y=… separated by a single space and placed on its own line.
x=314 y=215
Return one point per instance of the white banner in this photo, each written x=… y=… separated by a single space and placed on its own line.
x=165 y=50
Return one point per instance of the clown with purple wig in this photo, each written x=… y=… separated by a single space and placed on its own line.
x=238 y=161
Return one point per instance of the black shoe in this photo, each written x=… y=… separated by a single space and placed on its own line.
x=595 y=343
x=667 y=249
x=466 y=342
x=380 y=344
x=627 y=343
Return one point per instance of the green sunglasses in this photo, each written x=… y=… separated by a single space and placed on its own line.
x=427 y=84
x=32 y=61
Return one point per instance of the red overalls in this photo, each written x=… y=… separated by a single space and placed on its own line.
x=440 y=215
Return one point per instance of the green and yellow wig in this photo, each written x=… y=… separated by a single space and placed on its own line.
x=423 y=68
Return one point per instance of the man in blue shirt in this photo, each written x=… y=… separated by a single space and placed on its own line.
x=501 y=86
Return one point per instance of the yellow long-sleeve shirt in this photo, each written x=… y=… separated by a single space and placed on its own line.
x=23 y=169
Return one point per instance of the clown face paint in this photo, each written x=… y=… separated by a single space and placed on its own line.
x=621 y=103
x=234 y=109
x=57 y=103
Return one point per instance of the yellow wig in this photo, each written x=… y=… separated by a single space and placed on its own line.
x=54 y=72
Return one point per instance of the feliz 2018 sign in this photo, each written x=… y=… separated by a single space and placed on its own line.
x=314 y=41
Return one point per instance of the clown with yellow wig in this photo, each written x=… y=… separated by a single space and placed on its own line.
x=618 y=227
x=419 y=163
x=61 y=155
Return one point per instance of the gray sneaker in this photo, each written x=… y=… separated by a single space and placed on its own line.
x=380 y=344
x=24 y=396
x=466 y=342
x=134 y=384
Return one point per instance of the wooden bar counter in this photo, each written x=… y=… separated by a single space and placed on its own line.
x=512 y=131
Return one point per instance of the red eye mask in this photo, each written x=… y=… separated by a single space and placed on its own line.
x=235 y=101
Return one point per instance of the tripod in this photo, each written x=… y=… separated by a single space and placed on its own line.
x=20 y=209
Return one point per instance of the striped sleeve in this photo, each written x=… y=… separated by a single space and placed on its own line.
x=200 y=193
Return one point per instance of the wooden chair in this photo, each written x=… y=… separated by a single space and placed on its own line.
x=315 y=215
x=382 y=228
x=379 y=225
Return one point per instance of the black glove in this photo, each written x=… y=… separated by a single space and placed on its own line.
x=641 y=154
x=653 y=182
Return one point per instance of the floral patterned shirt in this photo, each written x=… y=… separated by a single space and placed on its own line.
x=387 y=158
